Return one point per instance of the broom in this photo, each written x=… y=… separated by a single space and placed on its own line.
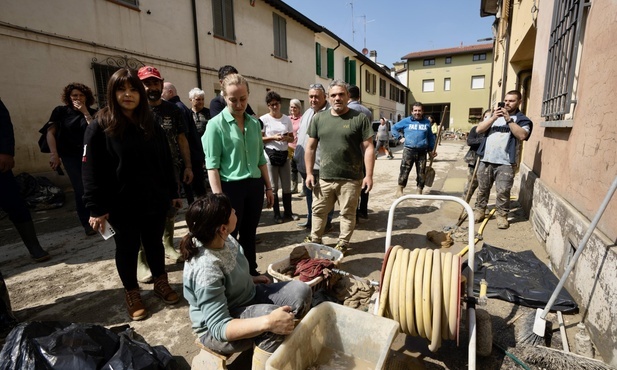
x=538 y=324
x=554 y=359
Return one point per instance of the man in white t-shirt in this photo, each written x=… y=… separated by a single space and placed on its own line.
x=504 y=131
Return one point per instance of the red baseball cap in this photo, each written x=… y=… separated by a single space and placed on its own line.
x=147 y=72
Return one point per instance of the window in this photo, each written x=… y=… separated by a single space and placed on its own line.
x=103 y=70
x=477 y=57
x=448 y=60
x=350 y=71
x=367 y=83
x=446 y=84
x=393 y=93
x=477 y=82
x=133 y=4
x=223 y=19
x=382 y=87
x=475 y=115
x=564 y=52
x=429 y=62
x=373 y=83
x=428 y=85
x=279 y=25
x=401 y=97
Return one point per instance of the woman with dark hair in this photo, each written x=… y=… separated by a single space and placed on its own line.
x=236 y=162
x=129 y=181
x=65 y=136
x=231 y=310
x=277 y=133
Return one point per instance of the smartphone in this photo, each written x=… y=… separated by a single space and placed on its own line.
x=501 y=104
x=109 y=231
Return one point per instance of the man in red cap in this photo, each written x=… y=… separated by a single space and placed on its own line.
x=170 y=117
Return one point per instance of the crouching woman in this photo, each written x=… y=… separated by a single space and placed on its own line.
x=231 y=310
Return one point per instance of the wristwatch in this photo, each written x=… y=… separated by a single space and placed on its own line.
x=511 y=120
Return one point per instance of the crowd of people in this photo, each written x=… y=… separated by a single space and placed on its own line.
x=131 y=163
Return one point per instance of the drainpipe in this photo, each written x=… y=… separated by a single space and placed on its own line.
x=506 y=57
x=196 y=37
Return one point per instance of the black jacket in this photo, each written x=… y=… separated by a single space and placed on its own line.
x=7 y=138
x=127 y=174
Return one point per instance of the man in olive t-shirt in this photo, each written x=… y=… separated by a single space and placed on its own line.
x=346 y=143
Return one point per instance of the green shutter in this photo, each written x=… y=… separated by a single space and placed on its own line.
x=317 y=59
x=352 y=72
x=330 y=56
x=347 y=69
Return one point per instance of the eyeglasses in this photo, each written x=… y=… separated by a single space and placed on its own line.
x=316 y=86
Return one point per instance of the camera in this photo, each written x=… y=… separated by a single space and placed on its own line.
x=501 y=104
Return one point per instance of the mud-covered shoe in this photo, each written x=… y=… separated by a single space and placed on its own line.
x=399 y=191
x=419 y=190
x=134 y=305
x=502 y=222
x=478 y=215
x=164 y=291
x=342 y=247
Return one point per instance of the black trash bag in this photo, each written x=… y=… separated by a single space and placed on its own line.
x=39 y=192
x=135 y=354
x=7 y=319
x=520 y=278
x=68 y=346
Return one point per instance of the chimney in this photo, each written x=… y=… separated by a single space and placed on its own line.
x=373 y=55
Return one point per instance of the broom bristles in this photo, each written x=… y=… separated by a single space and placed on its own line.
x=526 y=334
x=553 y=359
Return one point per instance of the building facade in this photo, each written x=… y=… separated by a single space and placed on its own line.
x=455 y=77
x=567 y=77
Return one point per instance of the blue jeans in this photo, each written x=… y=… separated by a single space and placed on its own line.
x=72 y=165
x=268 y=297
x=309 y=201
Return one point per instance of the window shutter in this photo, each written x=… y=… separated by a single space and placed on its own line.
x=217 y=15
x=352 y=72
x=317 y=59
x=347 y=69
x=330 y=57
x=229 y=20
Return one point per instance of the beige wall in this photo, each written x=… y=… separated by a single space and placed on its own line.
x=461 y=97
x=69 y=33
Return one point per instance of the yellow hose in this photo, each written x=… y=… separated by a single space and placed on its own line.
x=480 y=231
x=419 y=290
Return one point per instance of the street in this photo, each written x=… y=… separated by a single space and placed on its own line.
x=80 y=282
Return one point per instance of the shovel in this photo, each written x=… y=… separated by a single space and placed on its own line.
x=429 y=171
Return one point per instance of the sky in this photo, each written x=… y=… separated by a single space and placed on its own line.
x=397 y=27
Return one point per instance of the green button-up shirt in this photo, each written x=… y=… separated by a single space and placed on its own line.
x=236 y=154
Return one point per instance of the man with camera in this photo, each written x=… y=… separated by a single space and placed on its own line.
x=504 y=131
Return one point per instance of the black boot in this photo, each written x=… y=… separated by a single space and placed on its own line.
x=277 y=211
x=287 y=213
x=28 y=236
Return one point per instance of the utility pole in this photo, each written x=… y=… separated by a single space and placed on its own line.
x=365 y=22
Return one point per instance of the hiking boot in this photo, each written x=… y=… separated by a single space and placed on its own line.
x=478 y=215
x=134 y=305
x=399 y=191
x=164 y=291
x=502 y=222
x=342 y=247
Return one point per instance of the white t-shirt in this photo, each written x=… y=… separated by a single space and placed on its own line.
x=274 y=126
x=497 y=143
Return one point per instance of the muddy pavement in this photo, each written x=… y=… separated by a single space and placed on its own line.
x=80 y=283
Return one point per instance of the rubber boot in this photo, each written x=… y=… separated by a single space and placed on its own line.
x=259 y=358
x=168 y=241
x=287 y=213
x=294 y=186
x=143 y=270
x=399 y=191
x=277 y=211
x=28 y=236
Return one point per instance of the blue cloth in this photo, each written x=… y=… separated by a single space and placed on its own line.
x=418 y=134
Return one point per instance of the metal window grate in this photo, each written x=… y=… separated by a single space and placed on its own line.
x=103 y=70
x=562 y=55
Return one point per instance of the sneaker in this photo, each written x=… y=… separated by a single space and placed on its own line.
x=134 y=305
x=342 y=247
x=478 y=215
x=390 y=157
x=502 y=222
x=278 y=220
x=164 y=291
x=309 y=240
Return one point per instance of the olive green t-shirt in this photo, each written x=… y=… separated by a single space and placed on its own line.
x=340 y=139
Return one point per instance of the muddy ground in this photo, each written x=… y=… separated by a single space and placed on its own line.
x=80 y=282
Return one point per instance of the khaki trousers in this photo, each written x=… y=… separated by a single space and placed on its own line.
x=325 y=195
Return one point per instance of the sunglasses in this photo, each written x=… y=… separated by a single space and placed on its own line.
x=317 y=86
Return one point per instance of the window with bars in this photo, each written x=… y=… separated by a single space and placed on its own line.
x=565 y=46
x=279 y=25
x=223 y=19
x=103 y=70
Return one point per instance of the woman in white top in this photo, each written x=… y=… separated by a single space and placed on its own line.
x=277 y=134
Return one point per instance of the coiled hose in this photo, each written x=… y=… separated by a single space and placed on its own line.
x=420 y=289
